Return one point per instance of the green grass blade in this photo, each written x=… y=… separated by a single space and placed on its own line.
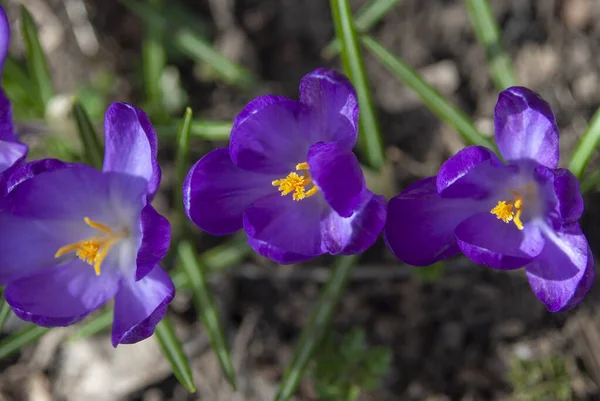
x=317 y=326
x=587 y=145
x=590 y=182
x=206 y=308
x=15 y=341
x=173 y=351
x=202 y=129
x=93 y=326
x=181 y=158
x=154 y=58
x=21 y=91
x=4 y=312
x=488 y=35
x=195 y=46
x=438 y=105
x=36 y=59
x=366 y=17
x=94 y=153
x=352 y=62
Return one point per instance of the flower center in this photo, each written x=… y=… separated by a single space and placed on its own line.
x=93 y=250
x=297 y=183
x=508 y=211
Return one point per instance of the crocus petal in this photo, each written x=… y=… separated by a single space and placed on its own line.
x=288 y=225
x=420 y=224
x=272 y=138
x=488 y=241
x=61 y=295
x=78 y=192
x=11 y=153
x=525 y=127
x=156 y=238
x=470 y=173
x=28 y=245
x=216 y=192
x=338 y=175
x=334 y=107
x=131 y=144
x=358 y=232
x=568 y=194
x=18 y=174
x=4 y=37
x=564 y=272
x=7 y=132
x=140 y=305
x=276 y=254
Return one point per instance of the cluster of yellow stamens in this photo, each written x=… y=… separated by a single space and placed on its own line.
x=93 y=250
x=510 y=211
x=296 y=183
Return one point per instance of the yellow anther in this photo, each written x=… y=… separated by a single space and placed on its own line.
x=93 y=250
x=296 y=183
x=504 y=210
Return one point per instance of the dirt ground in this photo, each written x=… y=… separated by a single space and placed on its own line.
x=464 y=337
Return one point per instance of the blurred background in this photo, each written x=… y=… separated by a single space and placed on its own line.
x=448 y=332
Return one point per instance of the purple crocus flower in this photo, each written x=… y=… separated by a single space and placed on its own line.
x=74 y=237
x=289 y=176
x=12 y=151
x=505 y=216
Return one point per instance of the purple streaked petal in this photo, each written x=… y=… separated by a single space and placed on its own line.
x=140 y=305
x=272 y=137
x=287 y=225
x=525 y=127
x=156 y=238
x=276 y=254
x=18 y=174
x=471 y=173
x=11 y=153
x=420 y=224
x=7 y=132
x=568 y=194
x=131 y=144
x=334 y=107
x=488 y=241
x=4 y=37
x=358 y=232
x=216 y=192
x=338 y=176
x=78 y=192
x=61 y=295
x=22 y=235
x=564 y=272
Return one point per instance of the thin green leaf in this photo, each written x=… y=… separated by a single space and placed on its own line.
x=153 y=57
x=208 y=130
x=21 y=91
x=352 y=62
x=173 y=351
x=587 y=145
x=91 y=144
x=181 y=159
x=590 y=182
x=439 y=106
x=195 y=46
x=93 y=326
x=317 y=326
x=366 y=18
x=4 y=312
x=36 y=59
x=17 y=340
x=488 y=34
x=206 y=307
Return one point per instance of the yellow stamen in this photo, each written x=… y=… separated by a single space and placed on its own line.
x=296 y=183
x=93 y=250
x=504 y=210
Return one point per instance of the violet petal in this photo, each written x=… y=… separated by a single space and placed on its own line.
x=156 y=238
